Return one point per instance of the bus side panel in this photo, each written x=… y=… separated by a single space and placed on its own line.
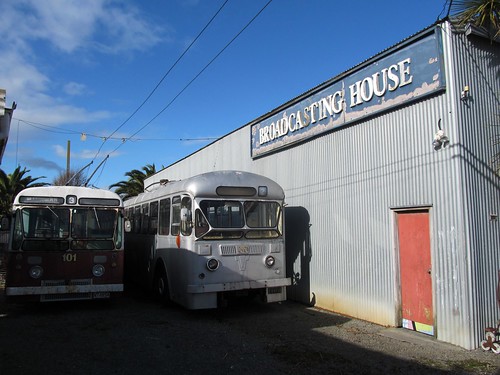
x=139 y=255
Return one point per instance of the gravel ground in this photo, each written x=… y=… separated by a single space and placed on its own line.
x=134 y=335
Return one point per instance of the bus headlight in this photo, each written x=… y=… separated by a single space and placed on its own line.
x=36 y=272
x=270 y=261
x=98 y=270
x=212 y=264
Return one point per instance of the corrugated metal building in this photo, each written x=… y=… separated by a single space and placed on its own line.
x=383 y=224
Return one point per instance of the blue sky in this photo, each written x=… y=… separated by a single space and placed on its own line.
x=78 y=72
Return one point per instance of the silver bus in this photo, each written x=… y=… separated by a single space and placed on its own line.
x=197 y=241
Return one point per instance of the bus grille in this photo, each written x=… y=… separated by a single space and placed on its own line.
x=241 y=249
x=275 y=290
x=66 y=296
x=63 y=282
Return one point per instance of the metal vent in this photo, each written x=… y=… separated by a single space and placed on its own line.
x=241 y=249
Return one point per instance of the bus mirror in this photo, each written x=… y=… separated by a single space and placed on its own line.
x=186 y=217
x=4 y=223
x=128 y=226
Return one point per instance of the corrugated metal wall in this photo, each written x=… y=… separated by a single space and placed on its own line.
x=343 y=189
x=476 y=63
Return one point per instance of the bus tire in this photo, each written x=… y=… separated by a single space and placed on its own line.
x=161 y=291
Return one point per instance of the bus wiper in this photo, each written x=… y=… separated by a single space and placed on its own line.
x=51 y=210
x=97 y=218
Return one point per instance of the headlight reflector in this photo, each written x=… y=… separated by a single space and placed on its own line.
x=212 y=264
x=98 y=270
x=270 y=261
x=36 y=272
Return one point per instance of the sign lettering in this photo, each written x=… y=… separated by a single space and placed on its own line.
x=404 y=75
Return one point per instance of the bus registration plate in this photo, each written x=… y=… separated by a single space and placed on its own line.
x=243 y=249
x=100 y=295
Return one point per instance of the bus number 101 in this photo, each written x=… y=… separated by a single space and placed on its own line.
x=69 y=257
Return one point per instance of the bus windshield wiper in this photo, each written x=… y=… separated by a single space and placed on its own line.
x=97 y=218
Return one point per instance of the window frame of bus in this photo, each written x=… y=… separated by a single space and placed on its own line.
x=153 y=217
x=186 y=215
x=145 y=218
x=164 y=219
x=137 y=219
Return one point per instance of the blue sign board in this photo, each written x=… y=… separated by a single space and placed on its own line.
x=408 y=73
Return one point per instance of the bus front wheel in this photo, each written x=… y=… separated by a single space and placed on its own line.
x=161 y=286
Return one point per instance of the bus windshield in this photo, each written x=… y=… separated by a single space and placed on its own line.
x=93 y=229
x=49 y=228
x=93 y=223
x=261 y=219
x=45 y=222
x=223 y=214
x=262 y=214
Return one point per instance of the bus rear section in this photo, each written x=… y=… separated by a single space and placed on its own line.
x=66 y=244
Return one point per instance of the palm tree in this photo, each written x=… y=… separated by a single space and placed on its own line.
x=483 y=13
x=135 y=183
x=12 y=184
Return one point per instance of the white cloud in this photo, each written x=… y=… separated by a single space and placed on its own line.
x=83 y=154
x=109 y=26
x=65 y=24
x=69 y=28
x=75 y=88
x=125 y=30
x=20 y=76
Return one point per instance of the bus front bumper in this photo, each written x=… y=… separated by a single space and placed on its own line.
x=63 y=289
x=239 y=285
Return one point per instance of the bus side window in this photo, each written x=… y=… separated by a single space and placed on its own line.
x=5 y=223
x=153 y=217
x=145 y=218
x=17 y=239
x=186 y=216
x=176 y=216
x=137 y=219
x=164 y=224
x=129 y=221
x=201 y=225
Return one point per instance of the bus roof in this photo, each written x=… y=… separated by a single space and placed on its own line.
x=58 y=195
x=207 y=184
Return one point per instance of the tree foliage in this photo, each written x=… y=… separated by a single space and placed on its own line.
x=135 y=183
x=74 y=179
x=483 y=13
x=12 y=184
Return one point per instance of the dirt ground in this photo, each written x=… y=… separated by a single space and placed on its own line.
x=135 y=335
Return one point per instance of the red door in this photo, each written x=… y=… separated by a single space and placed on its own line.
x=415 y=271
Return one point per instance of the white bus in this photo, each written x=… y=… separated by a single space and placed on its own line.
x=197 y=240
x=66 y=243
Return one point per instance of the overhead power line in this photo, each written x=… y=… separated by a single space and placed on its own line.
x=165 y=75
x=132 y=137
x=197 y=75
x=55 y=129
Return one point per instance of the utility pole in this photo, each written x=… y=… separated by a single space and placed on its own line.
x=68 y=158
